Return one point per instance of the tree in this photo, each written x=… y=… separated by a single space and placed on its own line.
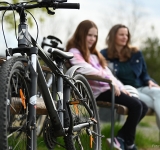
x=9 y=15
x=151 y=52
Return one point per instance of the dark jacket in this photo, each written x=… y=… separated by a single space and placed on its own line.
x=137 y=64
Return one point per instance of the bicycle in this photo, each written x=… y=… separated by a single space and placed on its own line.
x=73 y=116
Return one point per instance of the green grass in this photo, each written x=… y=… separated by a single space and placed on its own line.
x=144 y=124
x=143 y=140
x=41 y=145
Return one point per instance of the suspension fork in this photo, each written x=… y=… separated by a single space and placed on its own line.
x=31 y=117
x=23 y=42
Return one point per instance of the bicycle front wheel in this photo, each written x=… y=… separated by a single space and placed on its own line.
x=14 y=97
x=86 y=138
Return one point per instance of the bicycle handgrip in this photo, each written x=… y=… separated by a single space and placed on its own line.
x=67 y=5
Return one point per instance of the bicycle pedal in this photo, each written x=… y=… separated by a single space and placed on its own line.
x=102 y=136
x=94 y=120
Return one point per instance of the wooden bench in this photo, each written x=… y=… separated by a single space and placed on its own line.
x=2 y=60
x=120 y=109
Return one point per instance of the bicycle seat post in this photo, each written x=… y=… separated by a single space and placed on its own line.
x=60 y=90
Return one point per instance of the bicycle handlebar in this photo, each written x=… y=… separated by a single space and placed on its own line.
x=54 y=5
x=68 y=5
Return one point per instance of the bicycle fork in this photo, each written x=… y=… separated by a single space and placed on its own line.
x=31 y=117
x=24 y=43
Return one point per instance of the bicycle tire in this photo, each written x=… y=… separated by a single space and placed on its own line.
x=80 y=140
x=13 y=114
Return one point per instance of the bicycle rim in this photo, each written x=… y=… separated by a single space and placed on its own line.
x=13 y=103
x=83 y=140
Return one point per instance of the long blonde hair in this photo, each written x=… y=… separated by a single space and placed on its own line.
x=78 y=41
x=110 y=41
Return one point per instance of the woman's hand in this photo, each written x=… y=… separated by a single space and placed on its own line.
x=152 y=84
x=126 y=92
x=117 y=90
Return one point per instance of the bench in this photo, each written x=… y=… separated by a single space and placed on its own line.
x=2 y=60
x=120 y=109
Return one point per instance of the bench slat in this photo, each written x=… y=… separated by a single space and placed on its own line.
x=120 y=109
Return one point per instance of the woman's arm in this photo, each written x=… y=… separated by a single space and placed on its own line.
x=94 y=69
x=86 y=68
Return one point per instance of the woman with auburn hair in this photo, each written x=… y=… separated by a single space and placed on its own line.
x=130 y=68
x=83 y=46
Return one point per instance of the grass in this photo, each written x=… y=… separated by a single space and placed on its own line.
x=41 y=145
x=146 y=135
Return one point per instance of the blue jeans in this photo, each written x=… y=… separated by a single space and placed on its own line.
x=151 y=97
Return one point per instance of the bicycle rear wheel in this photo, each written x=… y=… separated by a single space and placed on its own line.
x=86 y=138
x=14 y=97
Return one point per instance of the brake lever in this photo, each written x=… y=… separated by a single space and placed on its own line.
x=49 y=11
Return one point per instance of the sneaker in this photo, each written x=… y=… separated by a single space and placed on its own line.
x=133 y=148
x=118 y=143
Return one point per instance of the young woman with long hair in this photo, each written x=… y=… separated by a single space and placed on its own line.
x=130 y=68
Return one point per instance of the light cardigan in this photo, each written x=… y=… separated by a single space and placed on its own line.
x=94 y=68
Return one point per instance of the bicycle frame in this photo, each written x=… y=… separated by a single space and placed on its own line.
x=48 y=97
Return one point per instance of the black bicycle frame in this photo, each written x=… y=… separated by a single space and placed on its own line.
x=57 y=70
x=24 y=46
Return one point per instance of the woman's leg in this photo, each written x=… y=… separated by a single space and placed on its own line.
x=152 y=94
x=146 y=99
x=137 y=111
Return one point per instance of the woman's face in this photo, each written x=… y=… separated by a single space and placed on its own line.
x=121 y=38
x=91 y=37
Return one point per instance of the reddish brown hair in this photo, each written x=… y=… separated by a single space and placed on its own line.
x=78 y=41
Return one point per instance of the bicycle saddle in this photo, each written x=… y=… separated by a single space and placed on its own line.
x=60 y=54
